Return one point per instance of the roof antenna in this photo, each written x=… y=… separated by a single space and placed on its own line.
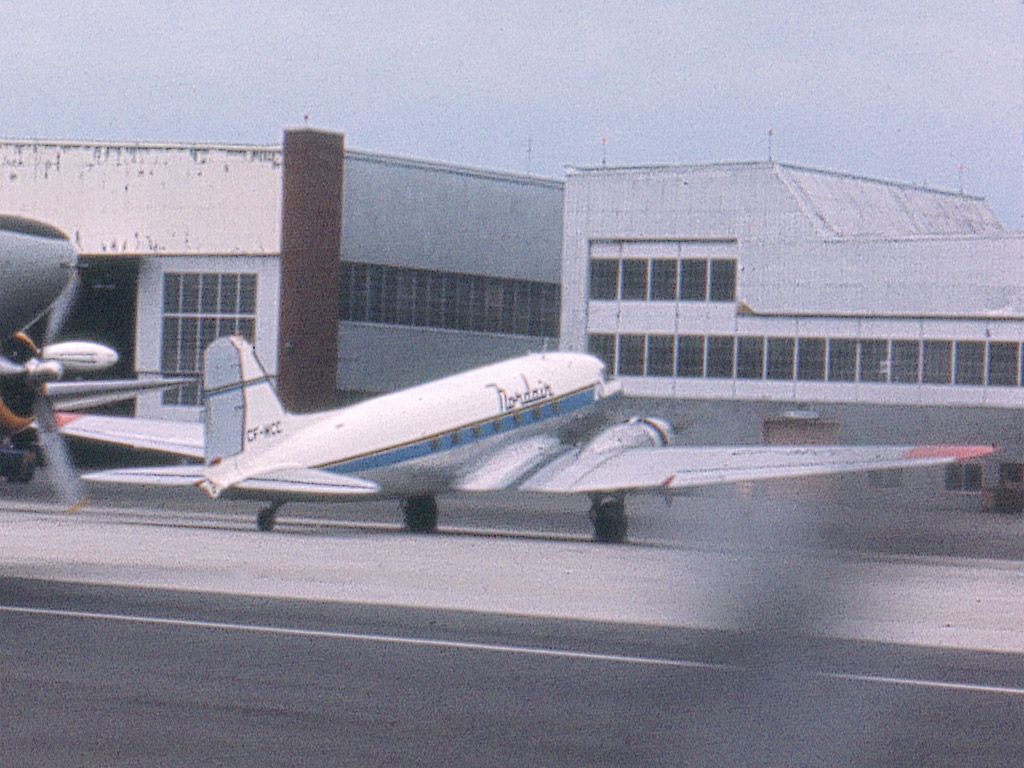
x=960 y=175
x=604 y=151
x=771 y=133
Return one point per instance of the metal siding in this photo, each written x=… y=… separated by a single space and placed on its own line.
x=412 y=214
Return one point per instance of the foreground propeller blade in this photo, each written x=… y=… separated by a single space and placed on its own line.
x=58 y=459
x=61 y=308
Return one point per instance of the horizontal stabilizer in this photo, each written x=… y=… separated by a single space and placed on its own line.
x=307 y=482
x=279 y=485
x=175 y=476
x=177 y=437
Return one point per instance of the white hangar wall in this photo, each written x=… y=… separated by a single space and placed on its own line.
x=148 y=199
x=736 y=295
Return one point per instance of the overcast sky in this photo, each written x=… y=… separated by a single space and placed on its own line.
x=897 y=89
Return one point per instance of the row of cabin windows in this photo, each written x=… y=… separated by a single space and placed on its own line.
x=778 y=358
x=375 y=293
x=514 y=419
x=663 y=279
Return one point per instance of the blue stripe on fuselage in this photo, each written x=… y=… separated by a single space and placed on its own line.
x=469 y=434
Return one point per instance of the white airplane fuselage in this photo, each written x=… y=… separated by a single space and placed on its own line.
x=534 y=424
x=425 y=439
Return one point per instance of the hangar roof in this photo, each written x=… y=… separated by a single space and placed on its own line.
x=853 y=206
x=840 y=206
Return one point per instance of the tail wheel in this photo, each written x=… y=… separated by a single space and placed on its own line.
x=267 y=517
x=609 y=518
x=420 y=514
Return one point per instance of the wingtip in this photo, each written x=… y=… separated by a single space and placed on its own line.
x=954 y=452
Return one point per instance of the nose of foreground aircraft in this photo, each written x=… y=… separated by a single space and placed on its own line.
x=37 y=262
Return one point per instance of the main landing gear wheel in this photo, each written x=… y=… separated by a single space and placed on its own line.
x=267 y=517
x=420 y=514
x=608 y=515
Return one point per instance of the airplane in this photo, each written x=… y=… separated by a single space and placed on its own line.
x=38 y=276
x=539 y=424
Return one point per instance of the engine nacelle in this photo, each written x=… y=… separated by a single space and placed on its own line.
x=637 y=432
x=80 y=356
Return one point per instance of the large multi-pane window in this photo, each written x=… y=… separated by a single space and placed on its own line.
x=905 y=361
x=722 y=285
x=1003 y=365
x=604 y=279
x=780 y=359
x=970 y=362
x=633 y=279
x=693 y=280
x=721 y=356
x=938 y=362
x=810 y=365
x=840 y=360
x=631 y=354
x=690 y=357
x=374 y=293
x=874 y=360
x=664 y=278
x=750 y=357
x=198 y=308
x=660 y=355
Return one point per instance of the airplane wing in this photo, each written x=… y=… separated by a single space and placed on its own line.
x=76 y=395
x=176 y=437
x=301 y=483
x=678 y=468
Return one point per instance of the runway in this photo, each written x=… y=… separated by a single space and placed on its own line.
x=177 y=635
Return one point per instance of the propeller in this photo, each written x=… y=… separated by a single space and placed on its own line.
x=58 y=458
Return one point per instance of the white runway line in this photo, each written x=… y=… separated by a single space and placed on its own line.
x=424 y=642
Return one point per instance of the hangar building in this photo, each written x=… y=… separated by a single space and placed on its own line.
x=443 y=267
x=769 y=302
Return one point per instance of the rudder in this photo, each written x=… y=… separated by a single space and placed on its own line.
x=240 y=404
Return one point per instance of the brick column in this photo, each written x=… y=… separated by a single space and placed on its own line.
x=311 y=206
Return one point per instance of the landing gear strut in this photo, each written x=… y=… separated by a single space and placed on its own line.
x=420 y=514
x=608 y=514
x=267 y=517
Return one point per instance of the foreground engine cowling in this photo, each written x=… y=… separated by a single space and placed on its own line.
x=28 y=371
x=17 y=395
x=637 y=432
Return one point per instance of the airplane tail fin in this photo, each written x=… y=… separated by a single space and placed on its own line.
x=241 y=407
